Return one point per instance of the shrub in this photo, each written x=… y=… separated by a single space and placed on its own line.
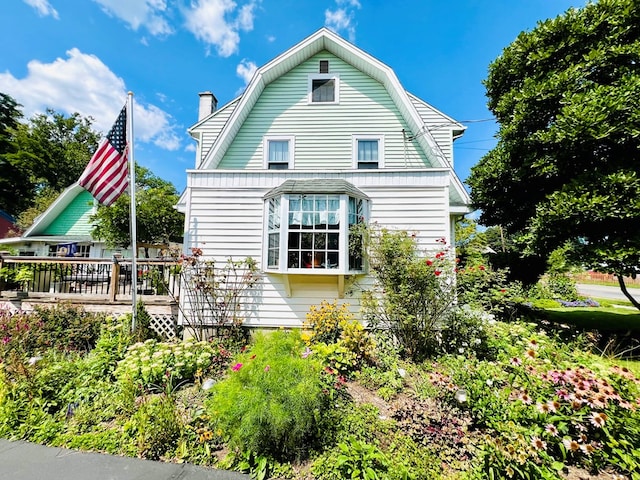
x=465 y=331
x=562 y=287
x=274 y=401
x=338 y=336
x=154 y=427
x=153 y=364
x=413 y=293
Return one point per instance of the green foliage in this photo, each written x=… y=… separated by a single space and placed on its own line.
x=63 y=328
x=338 y=336
x=274 y=402
x=155 y=426
x=13 y=174
x=562 y=287
x=417 y=291
x=326 y=321
x=565 y=167
x=465 y=331
x=161 y=365
x=143 y=330
x=158 y=223
x=482 y=287
x=42 y=200
x=540 y=411
x=359 y=460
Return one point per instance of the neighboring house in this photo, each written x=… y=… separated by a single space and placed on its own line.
x=63 y=229
x=324 y=138
x=7 y=223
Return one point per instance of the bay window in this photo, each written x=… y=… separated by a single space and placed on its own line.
x=315 y=232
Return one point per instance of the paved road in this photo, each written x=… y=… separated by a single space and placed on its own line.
x=603 y=291
x=28 y=461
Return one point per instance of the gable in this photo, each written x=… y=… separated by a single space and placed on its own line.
x=324 y=39
x=74 y=219
x=365 y=107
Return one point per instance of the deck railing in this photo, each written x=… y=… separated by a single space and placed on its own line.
x=111 y=278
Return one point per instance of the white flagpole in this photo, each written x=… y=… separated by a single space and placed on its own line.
x=132 y=190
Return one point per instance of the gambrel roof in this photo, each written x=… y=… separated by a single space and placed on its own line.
x=325 y=39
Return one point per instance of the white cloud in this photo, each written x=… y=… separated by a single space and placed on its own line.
x=151 y=14
x=208 y=21
x=82 y=83
x=245 y=70
x=342 y=18
x=43 y=7
x=349 y=3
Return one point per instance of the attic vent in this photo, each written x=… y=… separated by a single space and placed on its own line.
x=324 y=66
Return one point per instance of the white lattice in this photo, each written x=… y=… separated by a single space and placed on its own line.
x=165 y=326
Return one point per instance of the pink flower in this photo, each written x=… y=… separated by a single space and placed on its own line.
x=307 y=352
x=571 y=445
x=525 y=398
x=267 y=368
x=543 y=407
x=236 y=367
x=551 y=430
x=597 y=419
x=538 y=444
x=516 y=361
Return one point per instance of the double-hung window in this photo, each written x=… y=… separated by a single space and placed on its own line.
x=324 y=88
x=278 y=152
x=315 y=232
x=368 y=151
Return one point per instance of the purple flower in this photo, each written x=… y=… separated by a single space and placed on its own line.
x=307 y=352
x=236 y=367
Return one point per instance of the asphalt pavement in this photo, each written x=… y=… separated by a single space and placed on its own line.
x=21 y=460
x=604 y=291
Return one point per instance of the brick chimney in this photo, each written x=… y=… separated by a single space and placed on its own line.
x=208 y=104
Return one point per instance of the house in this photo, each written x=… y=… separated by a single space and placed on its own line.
x=7 y=224
x=63 y=229
x=324 y=138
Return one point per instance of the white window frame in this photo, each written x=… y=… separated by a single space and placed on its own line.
x=324 y=76
x=342 y=230
x=379 y=138
x=278 y=138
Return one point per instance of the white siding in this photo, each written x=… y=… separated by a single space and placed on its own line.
x=323 y=133
x=210 y=130
x=227 y=221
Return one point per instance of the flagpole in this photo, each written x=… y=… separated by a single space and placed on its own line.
x=132 y=189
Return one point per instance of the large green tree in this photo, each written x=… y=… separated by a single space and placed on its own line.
x=158 y=222
x=12 y=176
x=55 y=148
x=566 y=170
x=41 y=157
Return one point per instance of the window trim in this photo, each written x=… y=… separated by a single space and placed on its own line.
x=357 y=138
x=323 y=76
x=278 y=138
x=283 y=243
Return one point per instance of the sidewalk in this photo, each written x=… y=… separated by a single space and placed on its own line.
x=28 y=461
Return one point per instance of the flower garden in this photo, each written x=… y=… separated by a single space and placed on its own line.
x=434 y=388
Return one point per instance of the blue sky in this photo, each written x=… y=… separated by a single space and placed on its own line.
x=85 y=55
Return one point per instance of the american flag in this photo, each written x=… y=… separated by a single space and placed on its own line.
x=106 y=176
